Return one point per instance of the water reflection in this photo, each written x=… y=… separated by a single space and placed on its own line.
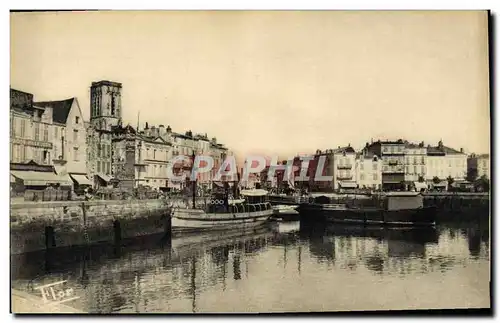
x=183 y=275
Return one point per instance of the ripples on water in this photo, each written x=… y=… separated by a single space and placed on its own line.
x=275 y=268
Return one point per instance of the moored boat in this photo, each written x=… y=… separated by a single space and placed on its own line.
x=221 y=213
x=393 y=208
x=285 y=212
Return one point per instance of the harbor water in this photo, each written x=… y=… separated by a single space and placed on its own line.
x=278 y=267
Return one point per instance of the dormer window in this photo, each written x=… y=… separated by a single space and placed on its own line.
x=77 y=120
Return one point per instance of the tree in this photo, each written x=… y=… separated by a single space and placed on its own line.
x=450 y=180
x=421 y=179
x=482 y=184
x=436 y=180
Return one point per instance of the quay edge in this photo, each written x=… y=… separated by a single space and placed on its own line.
x=49 y=225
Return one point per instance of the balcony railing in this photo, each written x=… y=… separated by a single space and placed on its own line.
x=32 y=143
x=344 y=166
x=140 y=163
x=344 y=177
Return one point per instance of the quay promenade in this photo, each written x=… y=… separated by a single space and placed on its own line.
x=45 y=225
x=25 y=303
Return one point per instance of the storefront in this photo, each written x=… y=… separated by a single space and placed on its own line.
x=80 y=182
x=38 y=182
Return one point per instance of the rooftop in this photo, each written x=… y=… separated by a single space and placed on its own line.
x=108 y=83
x=60 y=109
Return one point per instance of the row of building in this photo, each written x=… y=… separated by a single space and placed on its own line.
x=392 y=165
x=50 y=143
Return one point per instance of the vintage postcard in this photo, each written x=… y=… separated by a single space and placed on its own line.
x=249 y=161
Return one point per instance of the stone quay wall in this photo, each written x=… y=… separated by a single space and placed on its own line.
x=47 y=225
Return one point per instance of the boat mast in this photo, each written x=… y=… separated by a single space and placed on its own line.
x=193 y=182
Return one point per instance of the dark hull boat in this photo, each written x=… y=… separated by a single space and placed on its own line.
x=398 y=209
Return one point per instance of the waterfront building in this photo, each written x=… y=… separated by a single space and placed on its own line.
x=392 y=154
x=105 y=114
x=344 y=170
x=219 y=152
x=478 y=166
x=69 y=138
x=34 y=145
x=444 y=162
x=30 y=130
x=415 y=165
x=328 y=170
x=154 y=154
x=339 y=165
x=140 y=158
x=368 y=171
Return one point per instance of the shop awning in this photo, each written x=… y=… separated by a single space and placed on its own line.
x=12 y=179
x=80 y=179
x=419 y=185
x=348 y=185
x=104 y=177
x=32 y=178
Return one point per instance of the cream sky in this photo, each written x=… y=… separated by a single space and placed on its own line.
x=272 y=82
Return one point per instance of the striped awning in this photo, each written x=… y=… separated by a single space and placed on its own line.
x=348 y=184
x=104 y=177
x=32 y=178
x=80 y=179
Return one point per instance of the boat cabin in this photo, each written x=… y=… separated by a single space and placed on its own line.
x=253 y=200
x=395 y=201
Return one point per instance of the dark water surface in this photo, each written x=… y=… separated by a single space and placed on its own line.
x=274 y=268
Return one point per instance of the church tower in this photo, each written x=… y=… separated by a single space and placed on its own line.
x=105 y=105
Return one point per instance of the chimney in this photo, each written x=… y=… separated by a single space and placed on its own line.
x=462 y=150
x=349 y=145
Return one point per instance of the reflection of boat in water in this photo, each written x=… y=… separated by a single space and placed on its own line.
x=394 y=208
x=351 y=242
x=287 y=226
x=221 y=213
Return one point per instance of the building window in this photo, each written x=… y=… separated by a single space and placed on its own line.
x=75 y=135
x=374 y=166
x=77 y=120
x=112 y=105
x=75 y=154
x=375 y=177
x=98 y=166
x=154 y=154
x=362 y=177
x=361 y=165
x=46 y=133
x=23 y=128
x=423 y=160
x=37 y=131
